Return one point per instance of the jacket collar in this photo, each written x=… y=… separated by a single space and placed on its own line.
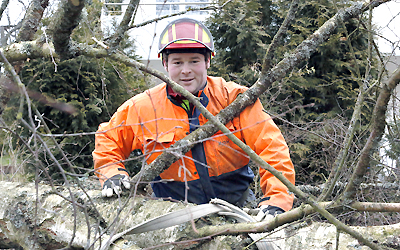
x=177 y=98
x=172 y=93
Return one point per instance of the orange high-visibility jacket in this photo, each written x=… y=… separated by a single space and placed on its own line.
x=152 y=121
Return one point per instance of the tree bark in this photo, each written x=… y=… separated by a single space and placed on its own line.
x=66 y=19
x=42 y=218
x=19 y=52
x=32 y=20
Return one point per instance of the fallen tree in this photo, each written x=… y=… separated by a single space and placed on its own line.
x=43 y=217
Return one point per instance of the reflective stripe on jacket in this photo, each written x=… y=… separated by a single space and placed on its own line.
x=215 y=167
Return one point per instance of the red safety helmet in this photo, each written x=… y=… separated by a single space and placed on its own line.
x=185 y=33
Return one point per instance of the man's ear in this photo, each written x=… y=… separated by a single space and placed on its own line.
x=208 y=62
x=165 y=64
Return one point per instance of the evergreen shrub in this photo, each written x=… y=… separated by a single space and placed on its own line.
x=95 y=88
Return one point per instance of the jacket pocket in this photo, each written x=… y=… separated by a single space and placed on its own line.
x=152 y=142
x=153 y=145
x=160 y=138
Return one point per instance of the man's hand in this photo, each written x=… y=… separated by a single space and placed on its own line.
x=113 y=185
x=267 y=212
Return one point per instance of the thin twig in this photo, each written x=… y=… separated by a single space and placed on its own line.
x=278 y=38
x=172 y=15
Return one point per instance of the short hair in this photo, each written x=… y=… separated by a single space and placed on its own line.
x=203 y=51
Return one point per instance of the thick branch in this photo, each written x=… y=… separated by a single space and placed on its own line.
x=377 y=130
x=28 y=28
x=291 y=216
x=24 y=50
x=386 y=188
x=67 y=18
x=32 y=19
x=10 y=69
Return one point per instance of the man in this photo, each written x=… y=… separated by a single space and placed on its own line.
x=154 y=120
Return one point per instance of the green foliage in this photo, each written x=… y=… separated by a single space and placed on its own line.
x=241 y=32
x=94 y=87
x=319 y=95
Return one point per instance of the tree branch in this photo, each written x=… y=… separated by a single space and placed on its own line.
x=32 y=19
x=172 y=15
x=24 y=50
x=291 y=216
x=67 y=18
x=355 y=119
x=28 y=28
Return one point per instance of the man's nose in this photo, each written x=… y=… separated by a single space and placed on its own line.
x=186 y=68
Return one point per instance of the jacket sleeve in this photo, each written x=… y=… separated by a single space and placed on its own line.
x=264 y=137
x=114 y=141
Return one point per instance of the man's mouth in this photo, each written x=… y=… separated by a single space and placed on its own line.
x=187 y=80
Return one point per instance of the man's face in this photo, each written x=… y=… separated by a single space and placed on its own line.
x=188 y=70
